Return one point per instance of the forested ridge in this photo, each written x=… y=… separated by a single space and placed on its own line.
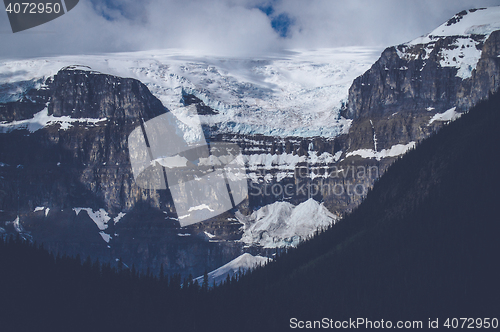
x=423 y=244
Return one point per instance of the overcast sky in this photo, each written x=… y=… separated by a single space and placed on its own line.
x=230 y=27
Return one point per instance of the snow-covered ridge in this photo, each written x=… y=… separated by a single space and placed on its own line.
x=282 y=224
x=482 y=21
x=242 y=263
x=463 y=53
x=298 y=93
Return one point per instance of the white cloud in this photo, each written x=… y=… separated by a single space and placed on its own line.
x=368 y=22
x=231 y=27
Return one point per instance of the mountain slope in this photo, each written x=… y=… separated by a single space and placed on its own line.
x=63 y=144
x=240 y=264
x=423 y=243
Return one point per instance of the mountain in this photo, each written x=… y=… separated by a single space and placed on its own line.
x=315 y=128
x=420 y=248
x=65 y=132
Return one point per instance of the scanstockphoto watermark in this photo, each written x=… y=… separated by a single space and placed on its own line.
x=365 y=323
x=198 y=175
x=358 y=323
x=335 y=180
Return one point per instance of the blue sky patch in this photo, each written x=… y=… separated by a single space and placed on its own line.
x=281 y=23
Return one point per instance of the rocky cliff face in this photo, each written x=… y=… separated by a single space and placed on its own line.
x=86 y=118
x=66 y=174
x=455 y=66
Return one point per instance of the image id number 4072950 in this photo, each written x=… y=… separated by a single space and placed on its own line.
x=33 y=8
x=471 y=323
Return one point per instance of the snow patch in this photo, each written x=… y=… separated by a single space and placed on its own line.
x=99 y=217
x=105 y=237
x=449 y=115
x=374 y=136
x=394 y=151
x=337 y=155
x=171 y=162
x=211 y=236
x=481 y=21
x=463 y=55
x=200 y=207
x=119 y=217
x=286 y=161
x=42 y=119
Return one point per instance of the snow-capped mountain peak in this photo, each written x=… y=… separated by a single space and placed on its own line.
x=482 y=21
x=464 y=35
x=282 y=224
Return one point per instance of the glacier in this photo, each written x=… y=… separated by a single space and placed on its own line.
x=294 y=93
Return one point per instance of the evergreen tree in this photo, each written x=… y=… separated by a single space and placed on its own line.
x=204 y=285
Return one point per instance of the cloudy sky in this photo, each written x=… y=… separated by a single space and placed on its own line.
x=229 y=27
